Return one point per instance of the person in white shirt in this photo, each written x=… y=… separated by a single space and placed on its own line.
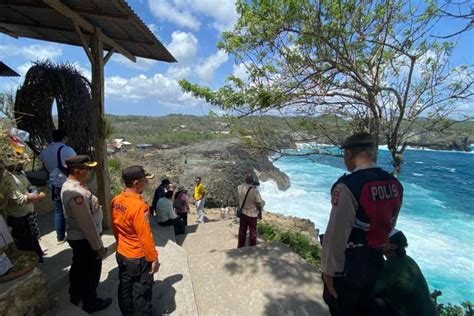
x=166 y=216
x=53 y=158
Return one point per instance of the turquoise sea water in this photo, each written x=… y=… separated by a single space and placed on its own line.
x=437 y=214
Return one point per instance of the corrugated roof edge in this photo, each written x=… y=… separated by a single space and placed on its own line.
x=145 y=27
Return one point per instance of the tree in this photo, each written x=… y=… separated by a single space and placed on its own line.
x=373 y=62
x=460 y=10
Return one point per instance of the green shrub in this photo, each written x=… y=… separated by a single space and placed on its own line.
x=301 y=244
x=114 y=164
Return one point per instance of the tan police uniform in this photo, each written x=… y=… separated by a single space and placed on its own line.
x=83 y=226
x=83 y=213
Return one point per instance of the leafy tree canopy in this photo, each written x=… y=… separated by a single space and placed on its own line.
x=374 y=62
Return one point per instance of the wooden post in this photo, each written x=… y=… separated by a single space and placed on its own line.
x=102 y=169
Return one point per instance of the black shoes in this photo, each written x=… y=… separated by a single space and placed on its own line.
x=75 y=300
x=100 y=304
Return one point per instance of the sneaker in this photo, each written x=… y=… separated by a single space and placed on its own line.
x=100 y=304
x=60 y=242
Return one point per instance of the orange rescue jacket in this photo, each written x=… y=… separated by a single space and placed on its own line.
x=131 y=227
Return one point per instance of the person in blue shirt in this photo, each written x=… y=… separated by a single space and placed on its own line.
x=53 y=158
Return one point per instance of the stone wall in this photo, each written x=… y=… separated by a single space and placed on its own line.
x=26 y=295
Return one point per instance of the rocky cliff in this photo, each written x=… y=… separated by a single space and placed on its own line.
x=222 y=165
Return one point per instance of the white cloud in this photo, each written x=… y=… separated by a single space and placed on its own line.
x=179 y=15
x=84 y=71
x=205 y=70
x=163 y=89
x=32 y=52
x=240 y=72
x=141 y=63
x=185 y=13
x=23 y=69
x=183 y=46
x=222 y=12
x=177 y=72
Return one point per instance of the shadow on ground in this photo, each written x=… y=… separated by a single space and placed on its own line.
x=164 y=293
x=275 y=258
x=293 y=304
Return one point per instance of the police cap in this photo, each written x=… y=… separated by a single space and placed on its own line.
x=135 y=173
x=80 y=161
x=358 y=140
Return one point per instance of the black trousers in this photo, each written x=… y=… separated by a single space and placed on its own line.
x=178 y=224
x=85 y=272
x=24 y=238
x=184 y=216
x=355 y=290
x=135 y=286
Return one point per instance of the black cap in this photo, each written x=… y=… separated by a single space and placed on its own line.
x=80 y=161
x=165 y=182
x=135 y=173
x=358 y=140
x=397 y=238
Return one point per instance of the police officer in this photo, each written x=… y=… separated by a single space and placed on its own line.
x=84 y=226
x=365 y=206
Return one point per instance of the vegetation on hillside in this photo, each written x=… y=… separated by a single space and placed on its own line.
x=266 y=131
x=301 y=244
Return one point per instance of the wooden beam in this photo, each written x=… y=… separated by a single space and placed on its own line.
x=119 y=48
x=8 y=32
x=64 y=10
x=67 y=12
x=85 y=45
x=109 y=54
x=70 y=30
x=100 y=150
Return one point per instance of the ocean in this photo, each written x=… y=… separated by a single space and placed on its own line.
x=437 y=215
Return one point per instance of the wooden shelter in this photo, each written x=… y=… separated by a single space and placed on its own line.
x=97 y=26
x=6 y=71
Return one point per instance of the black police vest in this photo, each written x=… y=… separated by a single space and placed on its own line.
x=379 y=197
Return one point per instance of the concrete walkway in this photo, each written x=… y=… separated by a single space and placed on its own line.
x=202 y=273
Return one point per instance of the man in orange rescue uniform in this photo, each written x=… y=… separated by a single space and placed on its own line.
x=137 y=257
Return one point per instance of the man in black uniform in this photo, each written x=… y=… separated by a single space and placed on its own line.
x=365 y=206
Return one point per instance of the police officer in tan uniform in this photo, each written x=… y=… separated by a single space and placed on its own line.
x=365 y=207
x=84 y=226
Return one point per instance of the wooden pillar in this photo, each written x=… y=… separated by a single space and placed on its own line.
x=98 y=131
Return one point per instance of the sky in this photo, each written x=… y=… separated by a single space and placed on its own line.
x=190 y=29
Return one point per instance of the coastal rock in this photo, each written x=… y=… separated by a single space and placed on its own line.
x=447 y=143
x=221 y=164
